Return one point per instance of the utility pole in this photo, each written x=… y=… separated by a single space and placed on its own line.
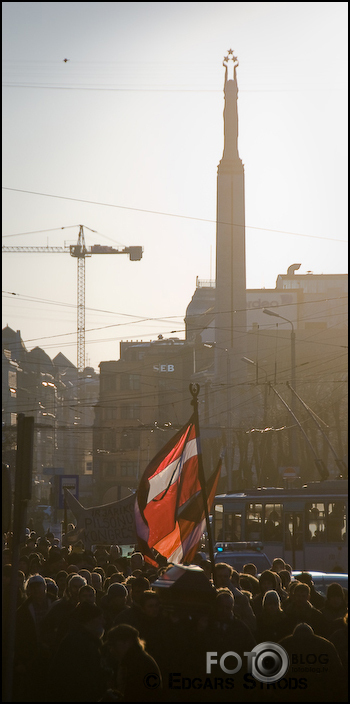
x=22 y=494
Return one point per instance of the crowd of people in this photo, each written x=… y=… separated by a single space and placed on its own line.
x=93 y=626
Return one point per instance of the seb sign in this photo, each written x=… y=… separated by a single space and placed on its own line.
x=163 y=368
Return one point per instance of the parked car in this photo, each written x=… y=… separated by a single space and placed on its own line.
x=239 y=554
x=322 y=580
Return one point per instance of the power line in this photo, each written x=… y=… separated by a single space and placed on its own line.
x=172 y=215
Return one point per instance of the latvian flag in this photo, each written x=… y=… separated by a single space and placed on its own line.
x=169 y=510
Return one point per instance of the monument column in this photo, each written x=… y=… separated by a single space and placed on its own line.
x=230 y=296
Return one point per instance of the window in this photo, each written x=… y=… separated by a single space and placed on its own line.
x=109 y=413
x=253 y=526
x=232 y=527
x=130 y=439
x=336 y=522
x=273 y=523
x=130 y=411
x=108 y=382
x=294 y=531
x=130 y=382
x=316 y=522
x=12 y=379
x=129 y=468
x=227 y=525
x=218 y=522
x=110 y=469
x=108 y=438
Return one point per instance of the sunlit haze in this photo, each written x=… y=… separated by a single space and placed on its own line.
x=125 y=136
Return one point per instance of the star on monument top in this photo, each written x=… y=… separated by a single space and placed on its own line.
x=230 y=55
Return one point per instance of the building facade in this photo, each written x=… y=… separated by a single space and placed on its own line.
x=144 y=399
x=60 y=400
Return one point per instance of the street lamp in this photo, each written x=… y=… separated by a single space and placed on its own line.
x=250 y=361
x=293 y=382
x=256 y=365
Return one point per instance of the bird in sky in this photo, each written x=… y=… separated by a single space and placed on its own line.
x=65 y=60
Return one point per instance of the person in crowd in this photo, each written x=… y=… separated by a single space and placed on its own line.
x=335 y=606
x=325 y=677
x=61 y=581
x=268 y=581
x=226 y=576
x=285 y=578
x=36 y=564
x=56 y=622
x=114 y=553
x=110 y=569
x=271 y=622
x=136 y=674
x=6 y=587
x=229 y=634
x=123 y=565
x=55 y=562
x=249 y=584
x=316 y=599
x=87 y=594
x=23 y=564
x=278 y=564
x=49 y=536
x=153 y=628
x=30 y=648
x=133 y=615
x=76 y=673
x=300 y=610
x=88 y=560
x=113 y=604
x=102 y=557
x=115 y=576
x=102 y=574
x=249 y=568
x=227 y=627
x=96 y=583
x=43 y=546
x=52 y=588
x=29 y=546
x=339 y=638
x=86 y=574
x=137 y=562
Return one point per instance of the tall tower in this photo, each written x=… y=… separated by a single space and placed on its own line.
x=230 y=297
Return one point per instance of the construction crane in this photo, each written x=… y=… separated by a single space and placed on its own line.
x=80 y=251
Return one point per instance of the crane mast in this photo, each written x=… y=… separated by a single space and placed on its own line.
x=80 y=251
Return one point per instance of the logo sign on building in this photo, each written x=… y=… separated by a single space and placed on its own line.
x=68 y=481
x=163 y=368
x=289 y=472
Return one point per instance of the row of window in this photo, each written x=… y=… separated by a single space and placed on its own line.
x=128 y=382
x=321 y=522
x=125 y=440
x=125 y=468
x=129 y=411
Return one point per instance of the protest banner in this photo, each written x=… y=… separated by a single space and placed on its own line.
x=111 y=524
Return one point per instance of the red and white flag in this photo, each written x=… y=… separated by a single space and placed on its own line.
x=169 y=509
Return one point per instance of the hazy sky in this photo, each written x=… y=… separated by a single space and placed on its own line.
x=128 y=134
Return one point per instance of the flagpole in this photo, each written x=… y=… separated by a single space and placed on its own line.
x=194 y=390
